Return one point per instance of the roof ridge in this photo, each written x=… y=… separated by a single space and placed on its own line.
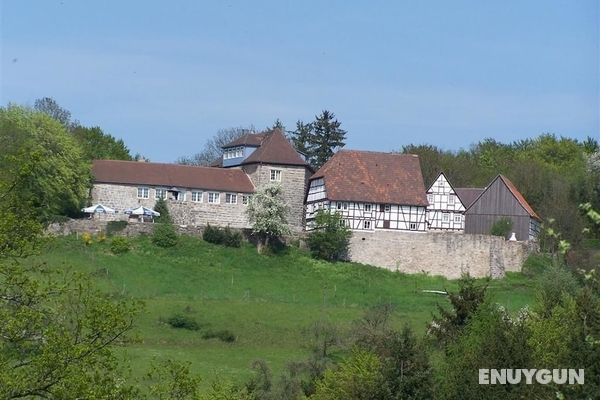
x=160 y=163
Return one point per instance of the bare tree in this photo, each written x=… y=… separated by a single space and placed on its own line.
x=212 y=148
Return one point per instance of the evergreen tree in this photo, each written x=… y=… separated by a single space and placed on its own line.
x=301 y=137
x=326 y=138
x=162 y=208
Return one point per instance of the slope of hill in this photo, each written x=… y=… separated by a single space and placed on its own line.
x=266 y=301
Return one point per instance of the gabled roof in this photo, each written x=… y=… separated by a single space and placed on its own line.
x=171 y=175
x=374 y=177
x=249 y=139
x=468 y=195
x=514 y=191
x=275 y=149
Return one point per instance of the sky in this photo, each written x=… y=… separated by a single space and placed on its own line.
x=166 y=75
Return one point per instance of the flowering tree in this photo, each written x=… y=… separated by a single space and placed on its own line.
x=267 y=214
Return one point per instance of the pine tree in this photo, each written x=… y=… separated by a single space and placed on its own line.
x=301 y=137
x=326 y=138
x=162 y=208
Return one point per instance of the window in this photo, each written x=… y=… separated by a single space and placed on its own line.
x=457 y=218
x=412 y=226
x=387 y=208
x=231 y=198
x=276 y=175
x=367 y=207
x=143 y=193
x=367 y=224
x=245 y=199
x=451 y=199
x=160 y=194
x=339 y=205
x=197 y=197
x=445 y=217
x=345 y=206
x=213 y=197
x=234 y=152
x=430 y=198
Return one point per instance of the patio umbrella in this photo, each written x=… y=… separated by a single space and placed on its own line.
x=141 y=210
x=98 y=209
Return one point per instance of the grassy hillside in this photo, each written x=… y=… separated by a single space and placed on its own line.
x=266 y=301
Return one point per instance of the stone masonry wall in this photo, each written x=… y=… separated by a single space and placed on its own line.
x=439 y=253
x=121 y=197
x=294 y=181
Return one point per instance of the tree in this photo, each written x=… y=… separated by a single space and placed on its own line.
x=502 y=227
x=267 y=213
x=330 y=238
x=38 y=152
x=320 y=139
x=162 y=208
x=50 y=107
x=212 y=148
x=97 y=145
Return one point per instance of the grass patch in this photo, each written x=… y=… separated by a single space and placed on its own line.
x=263 y=302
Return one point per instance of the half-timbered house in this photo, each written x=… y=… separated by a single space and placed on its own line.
x=446 y=209
x=371 y=190
x=501 y=199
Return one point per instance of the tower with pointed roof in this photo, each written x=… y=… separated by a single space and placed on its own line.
x=269 y=157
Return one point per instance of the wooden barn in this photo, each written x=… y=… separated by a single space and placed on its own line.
x=502 y=199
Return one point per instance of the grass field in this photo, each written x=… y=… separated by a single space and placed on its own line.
x=267 y=301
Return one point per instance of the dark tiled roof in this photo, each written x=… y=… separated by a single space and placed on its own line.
x=513 y=189
x=249 y=139
x=171 y=175
x=468 y=195
x=275 y=149
x=373 y=177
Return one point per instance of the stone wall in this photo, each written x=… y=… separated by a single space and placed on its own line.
x=294 y=180
x=183 y=212
x=97 y=225
x=439 y=253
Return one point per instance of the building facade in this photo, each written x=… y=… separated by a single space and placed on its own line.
x=370 y=190
x=445 y=210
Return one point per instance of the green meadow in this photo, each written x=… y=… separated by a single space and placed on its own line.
x=266 y=301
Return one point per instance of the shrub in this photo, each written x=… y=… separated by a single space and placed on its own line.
x=181 y=321
x=225 y=236
x=87 y=238
x=224 y=335
x=113 y=227
x=502 y=227
x=164 y=235
x=119 y=245
x=162 y=208
x=101 y=237
x=330 y=237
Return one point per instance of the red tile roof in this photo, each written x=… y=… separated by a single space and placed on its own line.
x=275 y=149
x=171 y=175
x=373 y=177
x=513 y=189
x=249 y=139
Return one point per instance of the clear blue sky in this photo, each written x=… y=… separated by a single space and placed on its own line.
x=165 y=75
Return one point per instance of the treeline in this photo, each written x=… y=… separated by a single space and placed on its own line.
x=55 y=153
x=554 y=174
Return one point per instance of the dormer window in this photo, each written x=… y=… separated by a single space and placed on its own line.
x=233 y=152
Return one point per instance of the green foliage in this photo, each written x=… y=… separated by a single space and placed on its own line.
x=330 y=238
x=164 y=235
x=38 y=153
x=223 y=236
x=173 y=380
x=97 y=145
x=224 y=335
x=119 y=245
x=358 y=377
x=552 y=285
x=320 y=139
x=182 y=321
x=267 y=213
x=447 y=325
x=113 y=227
x=502 y=227
x=163 y=209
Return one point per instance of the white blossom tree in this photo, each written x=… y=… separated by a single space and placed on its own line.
x=267 y=213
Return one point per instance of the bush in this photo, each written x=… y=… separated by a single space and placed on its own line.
x=113 y=227
x=330 y=237
x=162 y=208
x=87 y=238
x=226 y=236
x=502 y=227
x=164 y=235
x=224 y=335
x=181 y=321
x=119 y=245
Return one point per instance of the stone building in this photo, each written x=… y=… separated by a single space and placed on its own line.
x=371 y=191
x=199 y=195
